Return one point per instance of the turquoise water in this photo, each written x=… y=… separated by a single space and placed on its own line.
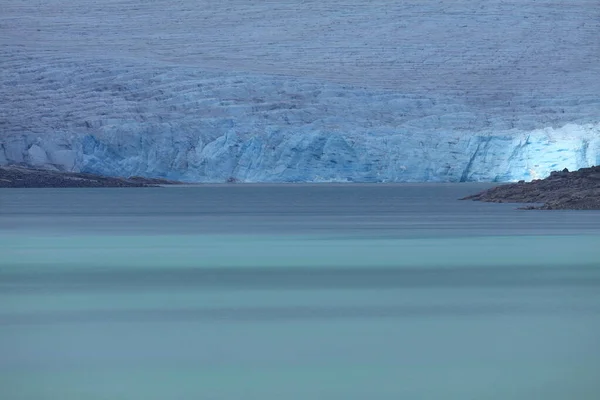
x=295 y=292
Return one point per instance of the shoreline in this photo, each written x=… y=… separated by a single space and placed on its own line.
x=562 y=190
x=21 y=177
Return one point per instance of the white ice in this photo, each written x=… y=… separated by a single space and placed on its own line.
x=301 y=90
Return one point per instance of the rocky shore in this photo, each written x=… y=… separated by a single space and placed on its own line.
x=562 y=190
x=20 y=177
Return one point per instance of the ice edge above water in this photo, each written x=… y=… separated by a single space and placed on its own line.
x=306 y=91
x=194 y=126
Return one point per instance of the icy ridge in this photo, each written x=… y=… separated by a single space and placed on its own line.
x=254 y=90
x=185 y=124
x=316 y=156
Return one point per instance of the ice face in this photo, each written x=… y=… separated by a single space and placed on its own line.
x=184 y=124
x=290 y=92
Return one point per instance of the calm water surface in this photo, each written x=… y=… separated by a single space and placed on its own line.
x=295 y=292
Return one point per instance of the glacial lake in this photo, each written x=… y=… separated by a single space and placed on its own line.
x=324 y=291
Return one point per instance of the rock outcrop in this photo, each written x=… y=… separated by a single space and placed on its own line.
x=20 y=177
x=564 y=190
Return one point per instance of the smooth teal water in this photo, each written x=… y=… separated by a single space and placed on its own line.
x=295 y=292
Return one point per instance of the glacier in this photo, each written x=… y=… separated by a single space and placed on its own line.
x=366 y=93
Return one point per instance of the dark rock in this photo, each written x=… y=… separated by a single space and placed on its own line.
x=577 y=190
x=152 y=181
x=22 y=177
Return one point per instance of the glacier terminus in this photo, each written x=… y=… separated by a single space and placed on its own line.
x=301 y=91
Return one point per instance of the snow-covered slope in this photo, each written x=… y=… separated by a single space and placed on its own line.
x=301 y=90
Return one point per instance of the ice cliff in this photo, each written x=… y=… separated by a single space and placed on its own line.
x=209 y=127
x=301 y=91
